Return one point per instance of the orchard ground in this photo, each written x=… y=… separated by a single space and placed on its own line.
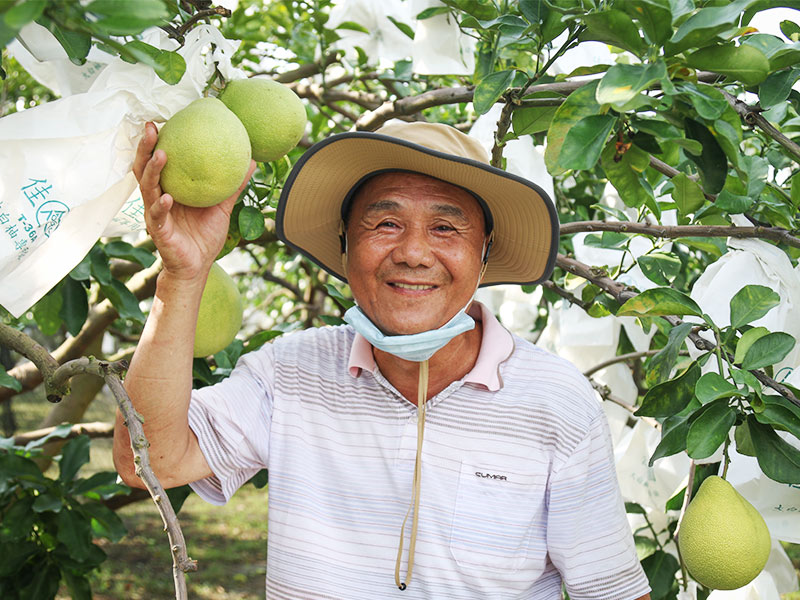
x=229 y=542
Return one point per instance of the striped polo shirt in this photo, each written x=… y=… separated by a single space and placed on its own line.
x=518 y=491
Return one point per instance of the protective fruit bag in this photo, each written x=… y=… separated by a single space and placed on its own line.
x=65 y=166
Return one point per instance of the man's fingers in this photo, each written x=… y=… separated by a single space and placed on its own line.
x=149 y=184
x=145 y=149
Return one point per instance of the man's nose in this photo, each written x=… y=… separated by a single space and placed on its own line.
x=414 y=249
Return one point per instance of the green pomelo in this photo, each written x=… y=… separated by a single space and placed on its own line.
x=208 y=153
x=271 y=112
x=220 y=316
x=723 y=539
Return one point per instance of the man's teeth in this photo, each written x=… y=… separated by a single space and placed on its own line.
x=412 y=286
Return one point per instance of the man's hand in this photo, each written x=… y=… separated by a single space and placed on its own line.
x=188 y=238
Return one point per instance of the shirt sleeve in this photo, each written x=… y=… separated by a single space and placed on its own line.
x=588 y=536
x=231 y=420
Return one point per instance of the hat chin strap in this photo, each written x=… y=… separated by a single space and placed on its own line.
x=422 y=401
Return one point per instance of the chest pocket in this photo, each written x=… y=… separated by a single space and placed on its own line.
x=499 y=520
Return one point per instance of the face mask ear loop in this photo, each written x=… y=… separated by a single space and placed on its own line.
x=343 y=245
x=422 y=399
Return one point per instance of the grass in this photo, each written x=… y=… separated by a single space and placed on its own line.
x=229 y=542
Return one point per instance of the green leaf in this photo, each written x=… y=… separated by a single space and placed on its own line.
x=613 y=27
x=731 y=203
x=23 y=13
x=671 y=397
x=123 y=250
x=713 y=386
x=768 y=350
x=585 y=141
x=251 y=222
x=660 y=366
x=47 y=503
x=46 y=310
x=744 y=443
x=18 y=521
x=178 y=495
x=622 y=82
x=100 y=267
x=658 y=302
x=747 y=339
x=703 y=26
x=779 y=460
x=170 y=67
x=78 y=585
x=655 y=17
x=743 y=63
x=687 y=194
x=405 y=28
x=432 y=12
x=579 y=104
x=751 y=303
x=103 y=484
x=74 y=305
x=74 y=455
x=673 y=433
x=123 y=300
x=625 y=174
x=490 y=88
x=8 y=381
x=75 y=43
x=104 y=521
x=755 y=171
x=781 y=414
x=259 y=339
x=709 y=428
x=659 y=267
x=787 y=56
x=660 y=568
x=534 y=11
x=777 y=87
x=44 y=583
x=75 y=533
x=59 y=431
x=711 y=163
x=533 y=119
x=707 y=100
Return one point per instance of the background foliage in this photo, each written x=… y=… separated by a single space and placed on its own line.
x=691 y=121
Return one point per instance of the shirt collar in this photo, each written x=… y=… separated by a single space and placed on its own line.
x=497 y=344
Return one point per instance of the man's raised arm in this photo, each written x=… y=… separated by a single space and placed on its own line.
x=159 y=381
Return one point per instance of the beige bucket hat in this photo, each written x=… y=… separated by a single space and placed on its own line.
x=309 y=211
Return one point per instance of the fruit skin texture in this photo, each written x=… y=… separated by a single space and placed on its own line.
x=220 y=316
x=723 y=539
x=208 y=153
x=271 y=112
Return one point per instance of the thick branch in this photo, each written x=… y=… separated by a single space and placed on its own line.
x=410 y=105
x=308 y=69
x=40 y=358
x=96 y=429
x=776 y=234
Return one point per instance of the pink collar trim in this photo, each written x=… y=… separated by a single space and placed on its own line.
x=497 y=344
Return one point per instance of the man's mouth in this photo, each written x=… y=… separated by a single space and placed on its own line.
x=413 y=286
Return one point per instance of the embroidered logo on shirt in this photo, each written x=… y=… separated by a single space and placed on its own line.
x=491 y=476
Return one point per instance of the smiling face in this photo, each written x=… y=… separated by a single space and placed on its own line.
x=414 y=248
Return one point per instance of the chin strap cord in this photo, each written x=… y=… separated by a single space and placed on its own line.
x=422 y=400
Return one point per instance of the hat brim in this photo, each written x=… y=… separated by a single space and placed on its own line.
x=309 y=209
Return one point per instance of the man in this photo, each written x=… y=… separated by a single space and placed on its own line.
x=423 y=440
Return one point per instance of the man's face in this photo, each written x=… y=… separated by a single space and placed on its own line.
x=414 y=248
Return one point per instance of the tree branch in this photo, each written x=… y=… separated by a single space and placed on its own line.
x=622 y=293
x=503 y=123
x=307 y=70
x=622 y=358
x=752 y=116
x=777 y=234
x=39 y=357
x=95 y=429
x=606 y=394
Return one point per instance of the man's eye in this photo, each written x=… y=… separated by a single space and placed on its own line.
x=445 y=228
x=390 y=224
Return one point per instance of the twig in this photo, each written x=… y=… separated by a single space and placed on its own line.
x=622 y=358
x=752 y=116
x=571 y=298
x=96 y=429
x=622 y=293
x=777 y=234
x=606 y=394
x=503 y=123
x=308 y=69
x=142 y=285
x=209 y=12
x=111 y=372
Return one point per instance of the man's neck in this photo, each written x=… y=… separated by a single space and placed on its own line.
x=449 y=364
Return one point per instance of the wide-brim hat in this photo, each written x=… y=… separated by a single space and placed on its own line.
x=309 y=212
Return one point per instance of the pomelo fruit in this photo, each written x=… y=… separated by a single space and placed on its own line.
x=220 y=316
x=723 y=539
x=208 y=153
x=273 y=115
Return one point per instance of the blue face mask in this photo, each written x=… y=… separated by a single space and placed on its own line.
x=415 y=347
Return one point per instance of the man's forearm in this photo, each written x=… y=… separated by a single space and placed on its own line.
x=159 y=383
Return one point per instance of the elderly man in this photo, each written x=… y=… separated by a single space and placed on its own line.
x=421 y=451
